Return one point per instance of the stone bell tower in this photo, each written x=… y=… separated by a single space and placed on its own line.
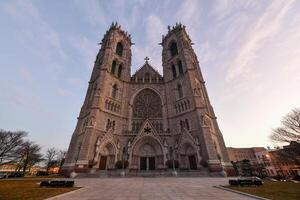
x=103 y=108
x=188 y=100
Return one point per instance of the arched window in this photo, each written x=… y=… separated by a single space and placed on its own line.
x=108 y=124
x=180 y=69
x=119 y=49
x=120 y=71
x=180 y=93
x=173 y=49
x=174 y=71
x=113 y=125
x=187 y=125
x=113 y=67
x=114 y=91
x=181 y=125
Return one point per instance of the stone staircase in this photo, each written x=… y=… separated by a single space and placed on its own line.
x=151 y=173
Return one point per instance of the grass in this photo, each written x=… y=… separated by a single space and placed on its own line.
x=273 y=190
x=27 y=188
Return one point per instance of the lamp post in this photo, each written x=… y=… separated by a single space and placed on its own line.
x=124 y=155
x=173 y=161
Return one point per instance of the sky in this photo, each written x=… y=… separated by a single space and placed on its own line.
x=249 y=54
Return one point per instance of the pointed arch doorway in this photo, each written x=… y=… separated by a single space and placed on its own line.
x=147 y=157
x=147 y=154
x=107 y=157
x=188 y=157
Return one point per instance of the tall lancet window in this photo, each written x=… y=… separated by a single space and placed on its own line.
x=113 y=67
x=114 y=91
x=174 y=71
x=173 y=49
x=187 y=124
x=119 y=49
x=180 y=69
x=120 y=71
x=179 y=88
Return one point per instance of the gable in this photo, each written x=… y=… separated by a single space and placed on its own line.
x=146 y=69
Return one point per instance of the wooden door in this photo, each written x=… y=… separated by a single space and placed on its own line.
x=192 y=161
x=103 y=160
x=151 y=163
x=143 y=163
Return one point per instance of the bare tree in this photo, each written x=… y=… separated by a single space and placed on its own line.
x=290 y=129
x=29 y=155
x=61 y=158
x=289 y=133
x=10 y=142
x=51 y=158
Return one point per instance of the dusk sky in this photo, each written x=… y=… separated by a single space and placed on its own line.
x=249 y=53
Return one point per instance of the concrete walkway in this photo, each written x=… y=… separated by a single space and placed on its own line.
x=151 y=188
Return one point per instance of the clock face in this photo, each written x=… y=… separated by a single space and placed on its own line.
x=147 y=104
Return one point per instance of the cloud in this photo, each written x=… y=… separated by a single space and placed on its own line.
x=224 y=8
x=25 y=74
x=154 y=31
x=92 y=11
x=265 y=27
x=189 y=12
x=63 y=92
x=44 y=40
x=31 y=103
x=87 y=49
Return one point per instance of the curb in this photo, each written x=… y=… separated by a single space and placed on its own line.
x=64 y=194
x=242 y=193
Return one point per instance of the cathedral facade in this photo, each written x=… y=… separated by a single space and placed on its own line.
x=146 y=121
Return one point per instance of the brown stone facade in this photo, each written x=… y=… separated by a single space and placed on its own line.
x=147 y=119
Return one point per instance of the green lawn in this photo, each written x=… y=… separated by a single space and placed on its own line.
x=273 y=190
x=27 y=189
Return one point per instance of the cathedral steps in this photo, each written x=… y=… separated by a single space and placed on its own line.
x=151 y=173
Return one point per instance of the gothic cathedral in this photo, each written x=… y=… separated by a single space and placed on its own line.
x=146 y=121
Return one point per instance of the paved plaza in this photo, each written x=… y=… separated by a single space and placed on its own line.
x=151 y=189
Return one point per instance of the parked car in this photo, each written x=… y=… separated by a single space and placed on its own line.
x=246 y=181
x=57 y=183
x=42 y=173
x=15 y=175
x=3 y=175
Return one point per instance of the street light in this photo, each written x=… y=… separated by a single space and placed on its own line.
x=173 y=161
x=124 y=157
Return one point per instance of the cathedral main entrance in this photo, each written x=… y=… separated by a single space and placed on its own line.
x=147 y=157
x=147 y=154
x=147 y=163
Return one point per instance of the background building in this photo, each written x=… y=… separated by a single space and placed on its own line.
x=259 y=161
x=239 y=154
x=286 y=160
x=265 y=164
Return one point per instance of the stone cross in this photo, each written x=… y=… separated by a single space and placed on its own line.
x=146 y=59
